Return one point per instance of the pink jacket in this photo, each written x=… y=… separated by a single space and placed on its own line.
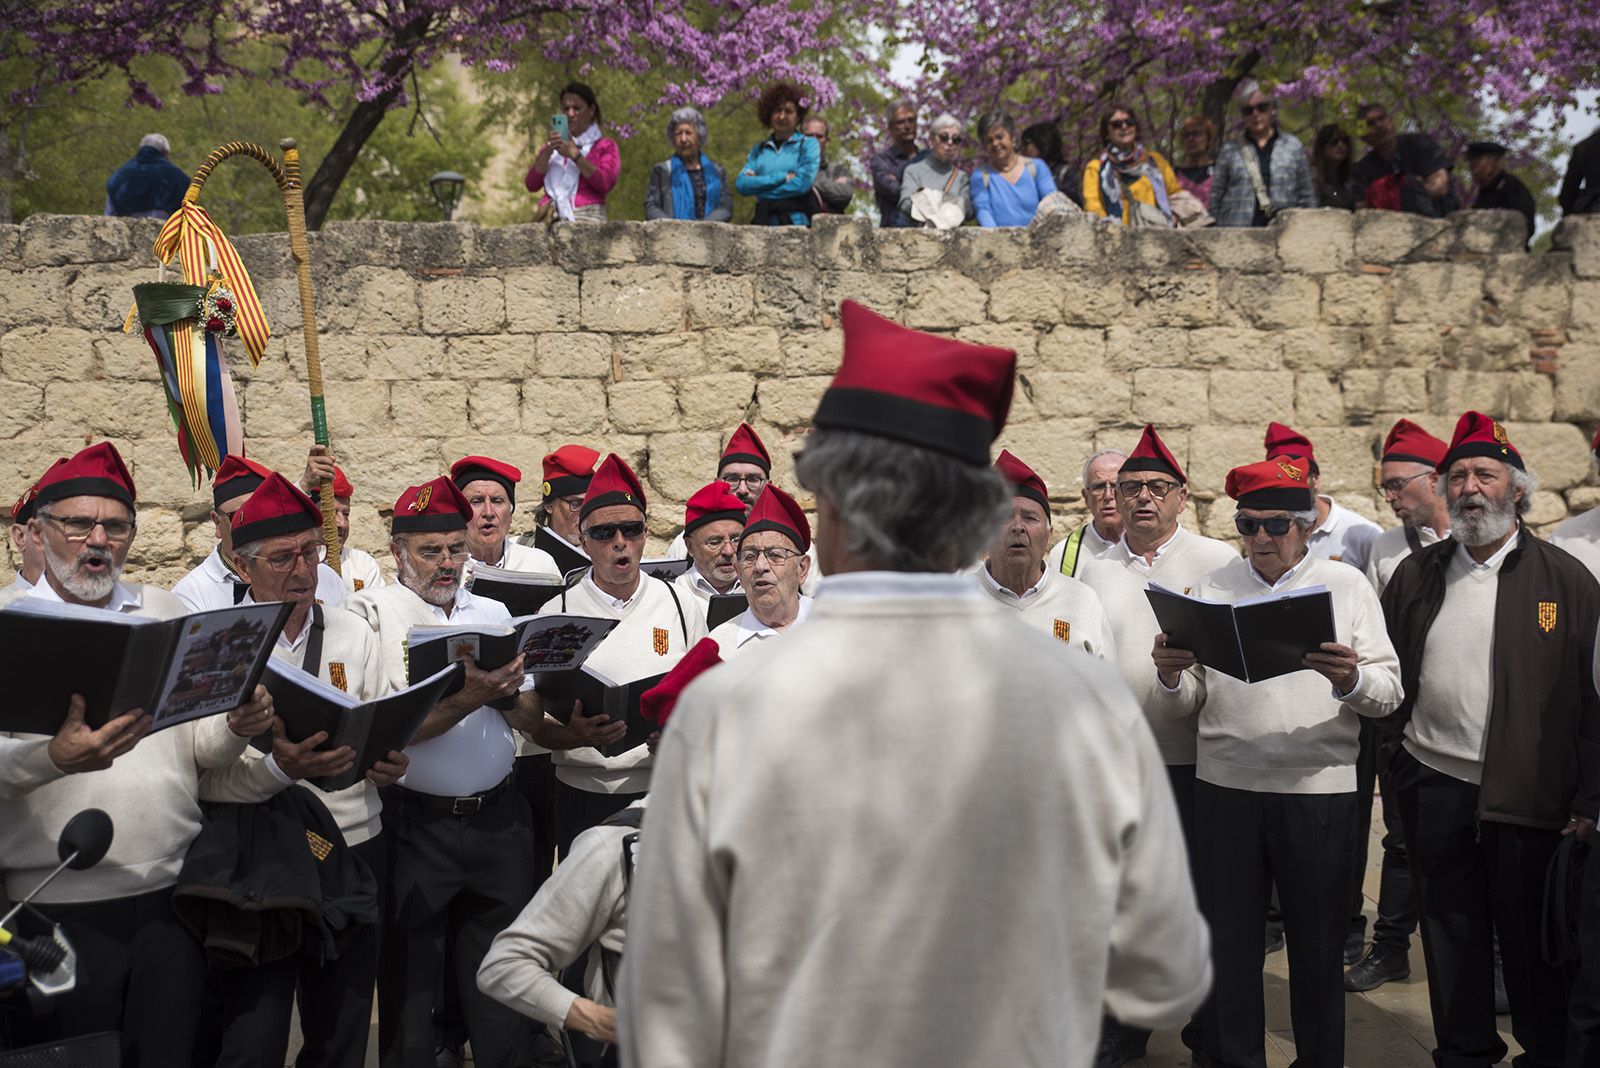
x=607 y=160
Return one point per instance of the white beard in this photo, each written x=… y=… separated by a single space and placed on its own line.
x=87 y=588
x=430 y=593
x=1497 y=519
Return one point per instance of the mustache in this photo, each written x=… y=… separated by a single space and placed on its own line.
x=93 y=556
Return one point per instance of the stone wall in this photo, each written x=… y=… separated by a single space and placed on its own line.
x=655 y=339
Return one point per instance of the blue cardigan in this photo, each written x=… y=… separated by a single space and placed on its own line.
x=999 y=203
x=765 y=174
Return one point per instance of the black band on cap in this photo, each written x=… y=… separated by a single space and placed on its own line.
x=744 y=458
x=245 y=533
x=83 y=487
x=1279 y=498
x=1404 y=458
x=238 y=486
x=567 y=485
x=1150 y=463
x=1494 y=451
x=483 y=474
x=1020 y=490
x=712 y=517
x=772 y=524
x=607 y=499
x=25 y=513
x=961 y=435
x=427 y=524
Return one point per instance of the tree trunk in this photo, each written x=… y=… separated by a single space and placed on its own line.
x=1214 y=101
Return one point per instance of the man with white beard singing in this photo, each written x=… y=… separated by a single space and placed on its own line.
x=1500 y=758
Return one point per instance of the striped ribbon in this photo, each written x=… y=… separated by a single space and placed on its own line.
x=198 y=242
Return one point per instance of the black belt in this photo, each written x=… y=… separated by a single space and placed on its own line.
x=470 y=805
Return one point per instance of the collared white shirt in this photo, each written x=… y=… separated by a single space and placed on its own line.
x=699 y=584
x=1283 y=578
x=752 y=629
x=20 y=585
x=122 y=598
x=1005 y=591
x=899 y=585
x=619 y=603
x=1493 y=561
x=1343 y=537
x=284 y=642
x=1139 y=560
x=212 y=585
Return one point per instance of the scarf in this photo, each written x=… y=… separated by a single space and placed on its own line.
x=1129 y=165
x=683 y=189
x=561 y=180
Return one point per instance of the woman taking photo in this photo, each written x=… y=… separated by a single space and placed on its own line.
x=1128 y=181
x=779 y=171
x=1007 y=187
x=690 y=185
x=575 y=172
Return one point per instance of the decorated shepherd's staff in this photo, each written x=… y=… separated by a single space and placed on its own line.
x=185 y=322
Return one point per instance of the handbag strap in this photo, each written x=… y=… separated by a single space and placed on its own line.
x=1252 y=167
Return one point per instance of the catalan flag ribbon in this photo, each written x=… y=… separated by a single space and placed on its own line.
x=185 y=323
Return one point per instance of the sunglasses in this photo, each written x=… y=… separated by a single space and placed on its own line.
x=1121 y=124
x=1277 y=526
x=949 y=139
x=606 y=531
x=1255 y=109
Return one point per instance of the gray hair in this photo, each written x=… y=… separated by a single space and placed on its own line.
x=902 y=104
x=692 y=117
x=1100 y=454
x=1305 y=519
x=1521 y=479
x=1001 y=119
x=1248 y=88
x=156 y=141
x=904 y=508
x=944 y=121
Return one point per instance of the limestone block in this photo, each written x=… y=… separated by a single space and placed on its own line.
x=812 y=352
x=1128 y=348
x=1546 y=507
x=753 y=249
x=710 y=402
x=429 y=409
x=660 y=356
x=103 y=409
x=1029 y=296
x=565 y=407
x=1485 y=347
x=642 y=407
x=10 y=243
x=1250 y=396
x=1535 y=290
x=1585 y=307
x=1315 y=240
x=883 y=292
x=1557 y=452
x=38 y=295
x=512 y=246
x=1392 y=236
x=382 y=466
x=1577 y=385
x=160 y=538
x=1235 y=347
x=985 y=254
x=1018 y=337
x=843 y=242
x=1055 y=448
x=1531 y=396
x=1320 y=348
x=689 y=244
x=404 y=356
x=1273 y=301
x=127 y=358
x=679 y=463
x=463 y=305
x=1582 y=498
x=910 y=250
x=1580 y=235
x=1090 y=299
x=495 y=407
x=23 y=407
x=370 y=300
x=719 y=300
x=636 y=300
x=1370 y=391
x=1345 y=454
x=419 y=246
x=40 y=354
x=198 y=542
x=1482 y=233
x=1355 y=299
x=1069 y=348
x=744 y=348
x=1402 y=345
x=785 y=298
x=574 y=355
x=1170 y=397
x=789 y=402
x=52 y=240
x=943 y=299
x=591 y=245
x=1183 y=298
x=1063 y=239
x=1247 y=251
x=1451 y=391
x=541 y=299
x=1317 y=398
x=354 y=408
x=478 y=358
x=1437 y=293
x=1212 y=452
x=1080 y=394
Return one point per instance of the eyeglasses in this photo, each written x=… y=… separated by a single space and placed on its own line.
x=435 y=553
x=1276 y=526
x=284 y=562
x=755 y=482
x=715 y=542
x=1393 y=486
x=1101 y=489
x=776 y=555
x=575 y=502
x=1158 y=487
x=79 y=527
x=949 y=139
x=1121 y=124
x=1255 y=109
x=606 y=531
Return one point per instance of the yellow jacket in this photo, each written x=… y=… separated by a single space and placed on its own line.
x=1140 y=190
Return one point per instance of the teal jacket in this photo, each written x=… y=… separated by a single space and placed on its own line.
x=765 y=176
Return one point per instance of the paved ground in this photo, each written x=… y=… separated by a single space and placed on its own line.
x=1387 y=1028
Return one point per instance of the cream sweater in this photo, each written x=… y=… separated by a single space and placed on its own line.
x=1291 y=734
x=585 y=901
x=152 y=793
x=1062 y=607
x=1449 y=725
x=1580 y=536
x=1120 y=578
x=796 y=902
x=1389 y=549
x=649 y=640
x=359 y=569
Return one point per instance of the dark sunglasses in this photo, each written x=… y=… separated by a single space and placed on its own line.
x=1277 y=526
x=949 y=139
x=1121 y=124
x=607 y=531
x=1253 y=109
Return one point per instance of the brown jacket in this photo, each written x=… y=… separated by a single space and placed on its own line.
x=1542 y=759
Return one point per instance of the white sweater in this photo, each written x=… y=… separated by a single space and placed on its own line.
x=1389 y=549
x=796 y=902
x=1120 y=579
x=1062 y=607
x=654 y=633
x=744 y=631
x=585 y=901
x=1580 y=536
x=349 y=654
x=1291 y=734
x=152 y=793
x=359 y=569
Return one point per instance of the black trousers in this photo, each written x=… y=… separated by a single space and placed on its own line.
x=578 y=810
x=1301 y=842
x=335 y=998
x=1475 y=880
x=1583 y=1048
x=140 y=972
x=1397 y=906
x=465 y=877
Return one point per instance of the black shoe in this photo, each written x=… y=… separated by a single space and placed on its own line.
x=1375 y=969
x=1119 y=1046
x=446 y=1056
x=1274 y=940
x=1355 y=942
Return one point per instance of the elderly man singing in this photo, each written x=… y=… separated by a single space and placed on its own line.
x=772 y=565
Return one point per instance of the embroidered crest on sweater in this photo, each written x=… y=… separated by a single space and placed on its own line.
x=337 y=677
x=1063 y=630
x=1547 y=616
x=320 y=846
x=660 y=641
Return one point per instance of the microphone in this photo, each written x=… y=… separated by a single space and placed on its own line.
x=50 y=961
x=84 y=840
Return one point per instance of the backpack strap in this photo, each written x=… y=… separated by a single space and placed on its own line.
x=683 y=623
x=1069 y=555
x=1413 y=540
